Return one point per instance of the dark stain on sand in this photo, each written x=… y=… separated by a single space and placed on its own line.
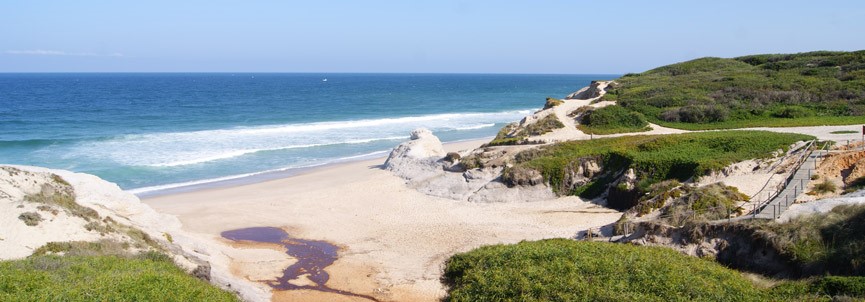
x=312 y=257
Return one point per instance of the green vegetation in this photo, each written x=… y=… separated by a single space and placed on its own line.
x=149 y=277
x=824 y=187
x=654 y=158
x=566 y=270
x=85 y=248
x=855 y=185
x=502 y=138
x=711 y=202
x=61 y=194
x=806 y=89
x=544 y=125
x=844 y=132
x=30 y=218
x=552 y=102
x=820 y=243
x=131 y=269
x=657 y=195
x=519 y=136
x=612 y=119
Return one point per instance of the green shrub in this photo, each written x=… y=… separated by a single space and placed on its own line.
x=806 y=89
x=61 y=194
x=841 y=286
x=824 y=187
x=566 y=270
x=552 y=102
x=544 y=125
x=612 y=119
x=655 y=158
x=710 y=202
x=30 y=218
x=102 y=278
x=832 y=242
x=103 y=247
x=502 y=138
x=792 y=112
x=855 y=185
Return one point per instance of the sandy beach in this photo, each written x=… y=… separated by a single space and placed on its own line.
x=393 y=240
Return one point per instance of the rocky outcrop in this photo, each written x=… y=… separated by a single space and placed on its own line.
x=424 y=165
x=417 y=159
x=595 y=89
x=581 y=172
x=83 y=207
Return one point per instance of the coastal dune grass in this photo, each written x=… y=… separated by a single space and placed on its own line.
x=512 y=134
x=656 y=158
x=783 y=90
x=567 y=270
x=832 y=242
x=612 y=119
x=148 y=277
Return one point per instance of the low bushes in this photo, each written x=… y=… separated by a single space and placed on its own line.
x=612 y=119
x=654 y=158
x=567 y=270
x=148 y=277
x=823 y=243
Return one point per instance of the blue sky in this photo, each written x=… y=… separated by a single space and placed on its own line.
x=411 y=36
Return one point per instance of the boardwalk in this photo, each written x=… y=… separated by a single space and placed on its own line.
x=795 y=185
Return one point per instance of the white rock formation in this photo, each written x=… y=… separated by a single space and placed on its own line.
x=18 y=240
x=418 y=158
x=419 y=161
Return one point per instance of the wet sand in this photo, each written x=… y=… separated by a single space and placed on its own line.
x=393 y=241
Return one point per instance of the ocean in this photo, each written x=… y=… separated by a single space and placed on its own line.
x=151 y=132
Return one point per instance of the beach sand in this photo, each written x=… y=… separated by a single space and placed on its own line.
x=393 y=240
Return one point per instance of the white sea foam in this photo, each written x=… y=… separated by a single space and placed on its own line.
x=165 y=187
x=175 y=149
x=237 y=153
x=475 y=127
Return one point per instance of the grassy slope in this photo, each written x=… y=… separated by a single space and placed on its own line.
x=660 y=157
x=818 y=88
x=566 y=270
x=102 y=278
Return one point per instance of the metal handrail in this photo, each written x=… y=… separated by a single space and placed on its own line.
x=773 y=195
x=804 y=158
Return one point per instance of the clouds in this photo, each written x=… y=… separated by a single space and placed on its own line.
x=43 y=52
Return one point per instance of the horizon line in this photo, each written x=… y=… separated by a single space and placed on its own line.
x=291 y=72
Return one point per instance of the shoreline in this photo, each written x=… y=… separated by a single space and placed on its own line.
x=393 y=240
x=275 y=174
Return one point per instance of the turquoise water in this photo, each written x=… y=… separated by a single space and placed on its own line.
x=155 y=131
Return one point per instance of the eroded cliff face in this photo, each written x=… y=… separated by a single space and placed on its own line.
x=736 y=245
x=39 y=206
